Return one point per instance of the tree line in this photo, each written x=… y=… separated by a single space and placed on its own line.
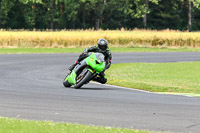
x=104 y=14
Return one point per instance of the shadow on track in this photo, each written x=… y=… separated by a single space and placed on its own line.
x=90 y=88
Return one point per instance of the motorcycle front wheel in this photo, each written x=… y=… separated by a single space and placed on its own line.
x=86 y=77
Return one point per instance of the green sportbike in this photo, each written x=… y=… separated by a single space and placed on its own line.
x=84 y=72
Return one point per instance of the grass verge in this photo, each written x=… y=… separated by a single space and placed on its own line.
x=157 y=77
x=10 y=125
x=79 y=50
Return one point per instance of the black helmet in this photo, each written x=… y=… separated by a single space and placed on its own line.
x=102 y=44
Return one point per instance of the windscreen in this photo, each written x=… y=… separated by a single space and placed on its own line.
x=100 y=57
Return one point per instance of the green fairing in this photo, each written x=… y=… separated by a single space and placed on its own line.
x=71 y=78
x=91 y=61
x=90 y=70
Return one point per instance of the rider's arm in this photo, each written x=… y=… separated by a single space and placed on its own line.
x=108 y=60
x=91 y=49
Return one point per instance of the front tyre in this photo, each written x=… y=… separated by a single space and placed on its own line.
x=85 y=79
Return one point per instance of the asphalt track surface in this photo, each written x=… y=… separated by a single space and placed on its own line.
x=31 y=88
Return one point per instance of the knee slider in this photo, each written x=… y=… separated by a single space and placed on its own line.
x=104 y=81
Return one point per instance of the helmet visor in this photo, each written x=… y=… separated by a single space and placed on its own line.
x=103 y=47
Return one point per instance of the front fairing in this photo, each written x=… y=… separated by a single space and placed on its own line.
x=71 y=78
x=93 y=62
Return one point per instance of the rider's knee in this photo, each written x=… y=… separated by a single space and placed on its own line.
x=100 y=80
x=104 y=81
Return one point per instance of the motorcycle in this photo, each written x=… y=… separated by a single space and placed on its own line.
x=85 y=71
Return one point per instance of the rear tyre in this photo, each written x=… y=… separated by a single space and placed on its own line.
x=87 y=77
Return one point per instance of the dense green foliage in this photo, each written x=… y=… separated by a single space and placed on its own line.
x=105 y=14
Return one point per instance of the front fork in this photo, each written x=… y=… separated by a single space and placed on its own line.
x=80 y=67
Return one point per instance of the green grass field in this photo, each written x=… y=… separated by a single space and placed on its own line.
x=10 y=125
x=157 y=77
x=79 y=50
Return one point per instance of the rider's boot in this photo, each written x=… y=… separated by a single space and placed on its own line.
x=73 y=65
x=100 y=80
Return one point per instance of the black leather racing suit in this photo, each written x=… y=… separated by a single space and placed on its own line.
x=108 y=57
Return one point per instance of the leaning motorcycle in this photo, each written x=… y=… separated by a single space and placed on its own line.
x=85 y=71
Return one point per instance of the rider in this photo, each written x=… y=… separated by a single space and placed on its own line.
x=101 y=47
